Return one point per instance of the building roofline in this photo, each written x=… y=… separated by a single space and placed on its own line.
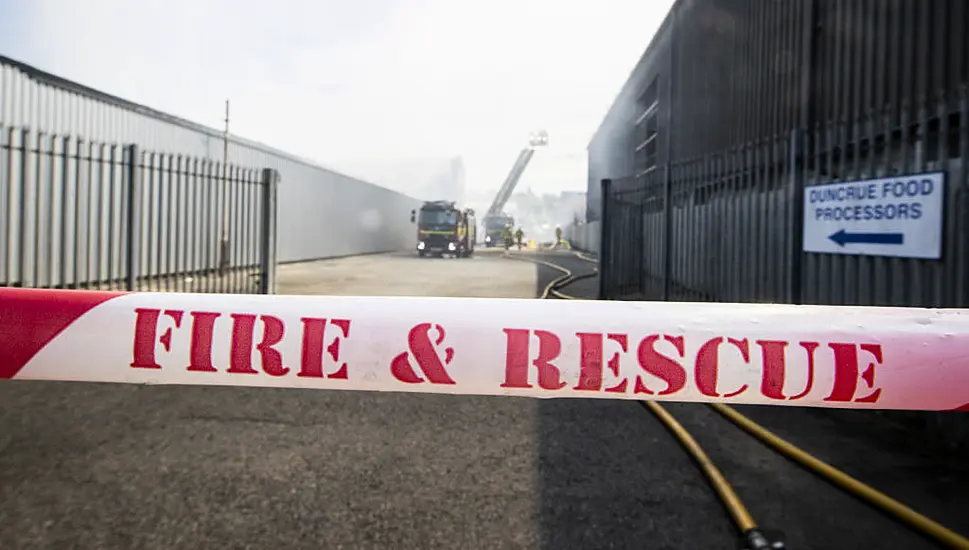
x=640 y=64
x=62 y=83
x=50 y=79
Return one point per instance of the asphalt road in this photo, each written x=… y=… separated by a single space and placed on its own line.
x=122 y=466
x=883 y=450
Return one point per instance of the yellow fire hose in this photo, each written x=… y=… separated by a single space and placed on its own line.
x=867 y=493
x=728 y=496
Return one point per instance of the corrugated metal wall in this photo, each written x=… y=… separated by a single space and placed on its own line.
x=322 y=213
x=92 y=215
x=769 y=97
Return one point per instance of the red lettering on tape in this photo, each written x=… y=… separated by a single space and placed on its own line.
x=311 y=354
x=773 y=353
x=272 y=360
x=314 y=334
x=709 y=364
x=846 y=372
x=334 y=348
x=660 y=365
x=203 y=327
x=242 y=344
x=240 y=356
x=591 y=372
x=146 y=336
x=426 y=355
x=517 y=357
x=721 y=365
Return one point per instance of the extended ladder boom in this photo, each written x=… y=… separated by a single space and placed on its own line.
x=511 y=181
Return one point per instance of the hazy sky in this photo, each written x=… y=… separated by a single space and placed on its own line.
x=340 y=81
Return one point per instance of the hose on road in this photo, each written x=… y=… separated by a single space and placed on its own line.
x=738 y=512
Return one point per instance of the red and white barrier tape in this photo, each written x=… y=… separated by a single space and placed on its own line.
x=857 y=357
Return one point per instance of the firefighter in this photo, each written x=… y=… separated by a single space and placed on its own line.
x=518 y=237
x=507 y=237
x=558 y=237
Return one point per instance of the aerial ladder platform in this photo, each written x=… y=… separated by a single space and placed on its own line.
x=495 y=219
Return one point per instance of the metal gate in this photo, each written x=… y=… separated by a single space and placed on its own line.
x=79 y=214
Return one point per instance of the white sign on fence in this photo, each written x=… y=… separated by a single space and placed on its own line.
x=899 y=216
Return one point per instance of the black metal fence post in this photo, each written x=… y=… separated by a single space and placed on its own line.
x=132 y=216
x=270 y=185
x=667 y=232
x=796 y=176
x=640 y=239
x=604 y=240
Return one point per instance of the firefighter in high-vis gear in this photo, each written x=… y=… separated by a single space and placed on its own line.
x=558 y=237
x=519 y=235
x=507 y=237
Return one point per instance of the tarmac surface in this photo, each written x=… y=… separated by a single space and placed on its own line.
x=124 y=466
x=483 y=275
x=889 y=452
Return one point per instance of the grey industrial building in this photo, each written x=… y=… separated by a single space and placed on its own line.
x=737 y=106
x=322 y=213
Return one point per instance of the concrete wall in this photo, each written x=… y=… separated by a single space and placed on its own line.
x=322 y=213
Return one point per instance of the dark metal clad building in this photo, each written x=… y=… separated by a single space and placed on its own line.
x=738 y=106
